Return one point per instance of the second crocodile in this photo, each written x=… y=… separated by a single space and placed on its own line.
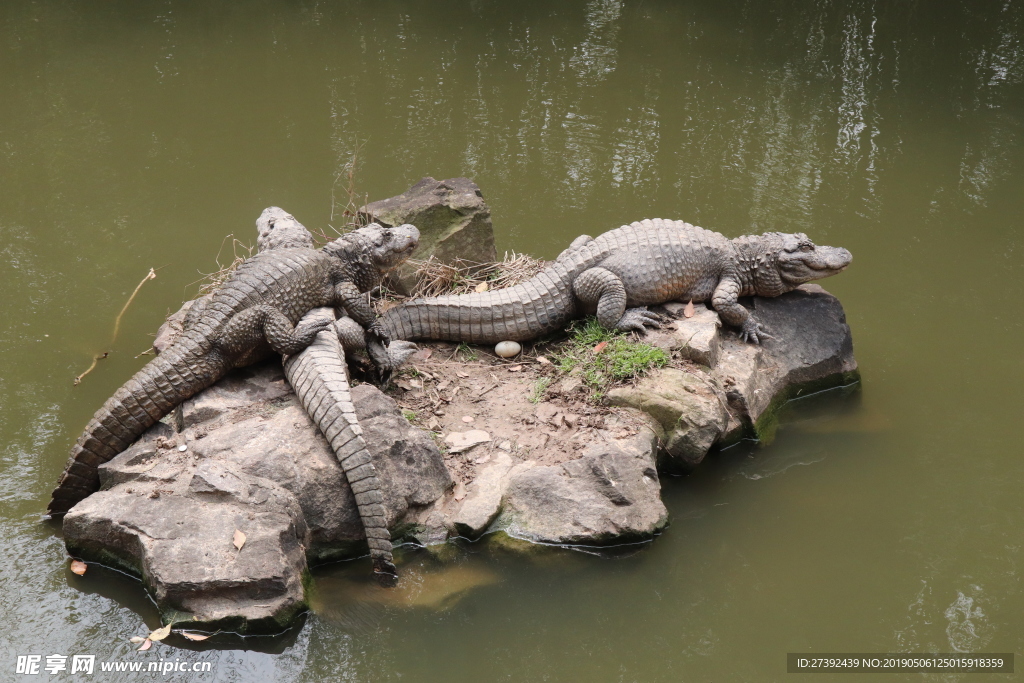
x=619 y=273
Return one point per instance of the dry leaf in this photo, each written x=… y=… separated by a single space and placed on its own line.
x=146 y=644
x=600 y=347
x=136 y=639
x=467 y=419
x=239 y=539
x=516 y=368
x=543 y=361
x=160 y=633
x=482 y=287
x=688 y=311
x=78 y=567
x=191 y=635
x=462 y=374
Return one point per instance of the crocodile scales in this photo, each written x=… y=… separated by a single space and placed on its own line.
x=252 y=314
x=618 y=273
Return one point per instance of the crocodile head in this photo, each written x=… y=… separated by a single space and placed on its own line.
x=390 y=247
x=385 y=248
x=799 y=260
x=276 y=228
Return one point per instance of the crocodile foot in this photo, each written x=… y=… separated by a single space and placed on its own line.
x=638 y=319
x=754 y=332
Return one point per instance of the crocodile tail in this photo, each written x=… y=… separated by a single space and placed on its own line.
x=540 y=305
x=178 y=373
x=320 y=380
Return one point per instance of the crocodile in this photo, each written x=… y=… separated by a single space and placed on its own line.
x=249 y=316
x=621 y=272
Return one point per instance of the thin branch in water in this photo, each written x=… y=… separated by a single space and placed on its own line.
x=151 y=275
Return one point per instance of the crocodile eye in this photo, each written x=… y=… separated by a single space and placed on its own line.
x=806 y=247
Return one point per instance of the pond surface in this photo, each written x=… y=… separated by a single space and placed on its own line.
x=137 y=135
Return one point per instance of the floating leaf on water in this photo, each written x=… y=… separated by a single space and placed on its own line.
x=146 y=644
x=136 y=639
x=160 y=633
x=78 y=567
x=600 y=347
x=239 y=539
x=688 y=311
x=192 y=635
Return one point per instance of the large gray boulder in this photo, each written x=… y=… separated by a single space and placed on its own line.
x=610 y=495
x=453 y=219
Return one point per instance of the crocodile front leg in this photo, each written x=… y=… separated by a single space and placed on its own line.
x=250 y=327
x=603 y=287
x=357 y=306
x=725 y=301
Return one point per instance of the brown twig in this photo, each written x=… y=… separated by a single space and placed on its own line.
x=151 y=275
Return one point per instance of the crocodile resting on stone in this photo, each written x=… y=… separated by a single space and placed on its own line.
x=251 y=315
x=619 y=273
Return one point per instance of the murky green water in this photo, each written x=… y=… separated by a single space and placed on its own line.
x=138 y=134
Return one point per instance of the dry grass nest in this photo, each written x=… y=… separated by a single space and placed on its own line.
x=435 y=278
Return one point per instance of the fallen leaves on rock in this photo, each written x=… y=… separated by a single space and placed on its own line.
x=160 y=633
x=239 y=539
x=78 y=567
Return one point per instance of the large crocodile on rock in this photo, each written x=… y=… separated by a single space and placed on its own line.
x=251 y=315
x=619 y=273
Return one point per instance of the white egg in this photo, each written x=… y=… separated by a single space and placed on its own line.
x=507 y=349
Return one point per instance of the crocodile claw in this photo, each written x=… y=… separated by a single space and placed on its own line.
x=638 y=320
x=376 y=331
x=754 y=332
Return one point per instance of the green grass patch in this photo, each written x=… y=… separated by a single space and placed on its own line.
x=621 y=359
x=408 y=414
x=466 y=352
x=539 y=387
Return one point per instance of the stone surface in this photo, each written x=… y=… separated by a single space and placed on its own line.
x=696 y=338
x=609 y=495
x=453 y=219
x=691 y=414
x=811 y=349
x=483 y=500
